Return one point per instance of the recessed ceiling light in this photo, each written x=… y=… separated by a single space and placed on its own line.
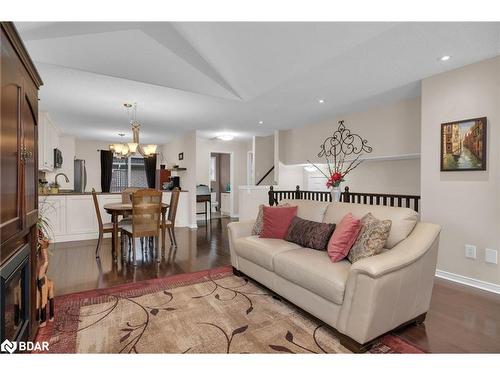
x=261 y=122
x=444 y=58
x=321 y=101
x=225 y=137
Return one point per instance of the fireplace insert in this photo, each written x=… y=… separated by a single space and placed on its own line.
x=14 y=296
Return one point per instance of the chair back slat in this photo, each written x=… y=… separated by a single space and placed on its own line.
x=97 y=211
x=174 y=202
x=127 y=194
x=146 y=212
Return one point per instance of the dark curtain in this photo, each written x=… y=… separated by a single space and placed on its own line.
x=150 y=167
x=106 y=170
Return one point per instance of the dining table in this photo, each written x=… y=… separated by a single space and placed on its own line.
x=125 y=209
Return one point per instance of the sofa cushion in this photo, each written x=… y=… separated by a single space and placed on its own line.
x=403 y=219
x=261 y=251
x=346 y=233
x=371 y=239
x=259 y=221
x=276 y=221
x=314 y=271
x=309 y=233
x=309 y=210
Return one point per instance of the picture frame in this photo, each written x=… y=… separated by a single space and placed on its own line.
x=181 y=156
x=464 y=145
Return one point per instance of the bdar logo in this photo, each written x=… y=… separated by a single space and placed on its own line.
x=8 y=346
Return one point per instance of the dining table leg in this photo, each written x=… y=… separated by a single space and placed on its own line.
x=114 y=235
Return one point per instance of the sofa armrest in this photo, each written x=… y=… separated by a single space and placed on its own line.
x=389 y=289
x=237 y=230
x=403 y=254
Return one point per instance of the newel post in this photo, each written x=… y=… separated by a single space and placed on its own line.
x=346 y=197
x=271 y=195
x=297 y=192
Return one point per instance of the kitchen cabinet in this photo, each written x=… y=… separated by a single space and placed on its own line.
x=225 y=203
x=72 y=216
x=48 y=140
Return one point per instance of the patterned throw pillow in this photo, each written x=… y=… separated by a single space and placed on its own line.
x=309 y=233
x=371 y=239
x=259 y=222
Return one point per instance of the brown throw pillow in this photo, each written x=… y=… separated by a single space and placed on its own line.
x=309 y=233
x=259 y=222
x=371 y=239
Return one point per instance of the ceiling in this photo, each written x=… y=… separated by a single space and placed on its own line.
x=226 y=77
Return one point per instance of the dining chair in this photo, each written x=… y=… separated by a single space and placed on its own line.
x=146 y=213
x=172 y=212
x=127 y=194
x=103 y=227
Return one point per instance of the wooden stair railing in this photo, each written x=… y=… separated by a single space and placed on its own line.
x=267 y=174
x=392 y=200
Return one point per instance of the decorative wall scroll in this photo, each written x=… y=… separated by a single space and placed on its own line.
x=343 y=143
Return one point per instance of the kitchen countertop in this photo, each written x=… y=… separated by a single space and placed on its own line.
x=75 y=193
x=90 y=193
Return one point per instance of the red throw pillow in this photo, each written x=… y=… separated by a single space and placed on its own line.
x=277 y=220
x=345 y=234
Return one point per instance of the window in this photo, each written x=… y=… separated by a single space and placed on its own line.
x=213 y=168
x=128 y=172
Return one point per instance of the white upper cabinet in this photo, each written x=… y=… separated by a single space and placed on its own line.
x=48 y=140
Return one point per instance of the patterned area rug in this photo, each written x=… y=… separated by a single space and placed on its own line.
x=204 y=312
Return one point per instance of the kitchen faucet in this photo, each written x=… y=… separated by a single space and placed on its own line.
x=61 y=174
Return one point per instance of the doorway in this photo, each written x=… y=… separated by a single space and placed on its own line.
x=220 y=182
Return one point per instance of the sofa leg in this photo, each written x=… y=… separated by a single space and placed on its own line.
x=237 y=273
x=420 y=319
x=353 y=345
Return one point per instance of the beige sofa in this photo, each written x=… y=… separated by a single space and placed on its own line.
x=362 y=301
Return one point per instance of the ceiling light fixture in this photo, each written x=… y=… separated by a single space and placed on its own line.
x=125 y=150
x=444 y=58
x=225 y=137
x=261 y=122
x=321 y=101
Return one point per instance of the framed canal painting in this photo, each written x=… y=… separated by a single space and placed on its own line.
x=463 y=145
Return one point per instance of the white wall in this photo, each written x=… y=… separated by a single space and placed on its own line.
x=170 y=153
x=67 y=147
x=264 y=159
x=239 y=150
x=392 y=130
x=290 y=176
x=88 y=151
x=377 y=176
x=466 y=204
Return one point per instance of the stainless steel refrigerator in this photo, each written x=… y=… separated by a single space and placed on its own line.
x=80 y=176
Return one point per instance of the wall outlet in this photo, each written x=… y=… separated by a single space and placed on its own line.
x=470 y=251
x=491 y=256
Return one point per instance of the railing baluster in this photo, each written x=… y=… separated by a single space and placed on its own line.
x=392 y=200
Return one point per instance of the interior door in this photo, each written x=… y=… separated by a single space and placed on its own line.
x=10 y=138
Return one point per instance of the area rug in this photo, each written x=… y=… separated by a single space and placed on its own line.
x=204 y=312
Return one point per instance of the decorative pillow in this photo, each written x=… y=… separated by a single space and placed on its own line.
x=344 y=236
x=309 y=233
x=257 y=227
x=371 y=239
x=276 y=221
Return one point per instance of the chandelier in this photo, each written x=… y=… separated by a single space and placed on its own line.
x=127 y=149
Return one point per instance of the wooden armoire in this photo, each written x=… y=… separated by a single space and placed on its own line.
x=19 y=82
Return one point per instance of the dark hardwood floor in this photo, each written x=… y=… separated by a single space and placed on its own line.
x=461 y=319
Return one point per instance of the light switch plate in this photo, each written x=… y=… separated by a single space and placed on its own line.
x=470 y=251
x=491 y=256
